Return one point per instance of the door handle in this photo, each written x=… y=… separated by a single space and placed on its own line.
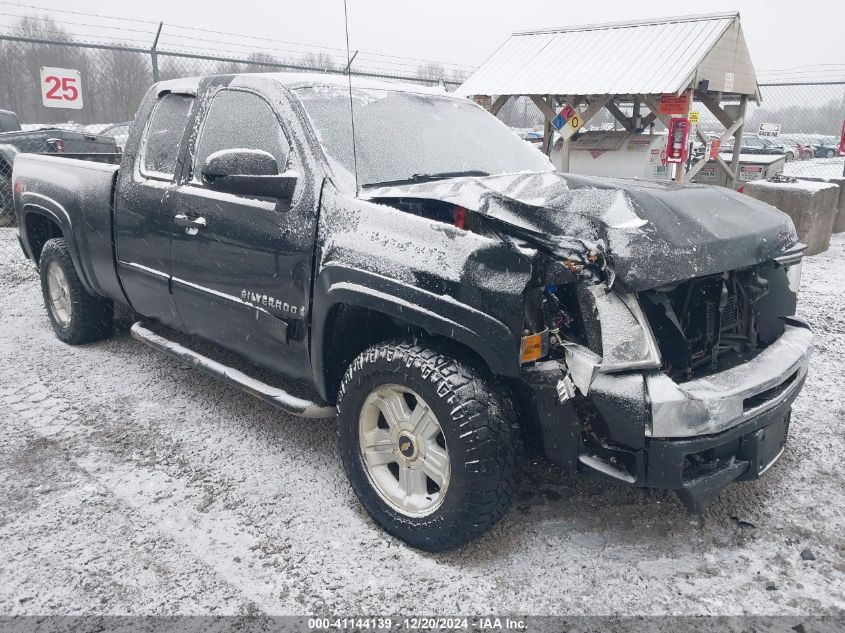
x=189 y=223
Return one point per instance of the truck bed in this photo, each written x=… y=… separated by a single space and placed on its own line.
x=78 y=195
x=73 y=142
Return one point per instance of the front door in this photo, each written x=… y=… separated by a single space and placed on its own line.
x=242 y=265
x=143 y=218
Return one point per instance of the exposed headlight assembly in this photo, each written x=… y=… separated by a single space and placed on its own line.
x=793 y=274
x=626 y=337
x=791 y=262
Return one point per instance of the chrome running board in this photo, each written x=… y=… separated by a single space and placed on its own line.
x=273 y=395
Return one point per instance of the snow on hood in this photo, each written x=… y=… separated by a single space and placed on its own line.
x=640 y=234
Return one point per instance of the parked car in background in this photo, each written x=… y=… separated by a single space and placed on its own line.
x=119 y=132
x=827 y=147
x=805 y=145
x=792 y=148
x=46 y=139
x=531 y=136
x=753 y=144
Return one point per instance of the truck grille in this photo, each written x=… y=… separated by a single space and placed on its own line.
x=705 y=324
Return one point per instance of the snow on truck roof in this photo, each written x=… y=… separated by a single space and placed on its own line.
x=293 y=80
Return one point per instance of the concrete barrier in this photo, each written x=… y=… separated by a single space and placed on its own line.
x=839 y=222
x=813 y=207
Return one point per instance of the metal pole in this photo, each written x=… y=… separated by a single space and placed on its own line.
x=154 y=53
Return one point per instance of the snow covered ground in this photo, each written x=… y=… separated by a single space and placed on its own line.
x=816 y=168
x=131 y=484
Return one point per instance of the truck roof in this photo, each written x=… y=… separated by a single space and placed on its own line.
x=294 y=80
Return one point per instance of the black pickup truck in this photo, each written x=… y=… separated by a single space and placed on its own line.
x=436 y=285
x=46 y=140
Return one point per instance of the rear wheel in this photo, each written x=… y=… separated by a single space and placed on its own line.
x=433 y=452
x=76 y=316
x=830 y=154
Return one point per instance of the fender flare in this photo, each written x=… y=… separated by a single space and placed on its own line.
x=37 y=204
x=438 y=315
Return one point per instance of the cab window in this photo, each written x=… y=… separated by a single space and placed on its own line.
x=164 y=135
x=240 y=120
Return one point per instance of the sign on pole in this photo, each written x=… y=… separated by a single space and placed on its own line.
x=61 y=88
x=694 y=117
x=673 y=104
x=567 y=122
x=770 y=130
x=715 y=147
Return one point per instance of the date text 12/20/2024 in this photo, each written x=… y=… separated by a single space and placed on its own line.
x=417 y=623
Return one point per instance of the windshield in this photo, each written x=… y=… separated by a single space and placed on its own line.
x=403 y=134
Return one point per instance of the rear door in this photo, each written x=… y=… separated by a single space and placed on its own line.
x=143 y=218
x=243 y=279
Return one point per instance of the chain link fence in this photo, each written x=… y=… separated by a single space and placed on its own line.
x=115 y=77
x=810 y=117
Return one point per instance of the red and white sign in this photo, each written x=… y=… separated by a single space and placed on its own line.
x=715 y=147
x=842 y=140
x=61 y=88
x=673 y=104
x=708 y=172
x=751 y=172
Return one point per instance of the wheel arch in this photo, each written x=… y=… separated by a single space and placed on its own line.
x=42 y=214
x=39 y=228
x=375 y=308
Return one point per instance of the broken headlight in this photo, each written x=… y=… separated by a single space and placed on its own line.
x=793 y=274
x=626 y=338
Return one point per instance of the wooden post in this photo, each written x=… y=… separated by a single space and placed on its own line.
x=497 y=105
x=743 y=103
x=636 y=118
x=544 y=105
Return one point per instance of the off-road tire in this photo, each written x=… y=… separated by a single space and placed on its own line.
x=482 y=435
x=91 y=318
x=7 y=209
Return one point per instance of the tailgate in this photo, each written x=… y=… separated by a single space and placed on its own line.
x=81 y=143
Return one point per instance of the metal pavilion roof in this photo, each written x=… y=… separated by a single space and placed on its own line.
x=640 y=57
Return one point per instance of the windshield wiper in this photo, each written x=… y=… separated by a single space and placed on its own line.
x=443 y=175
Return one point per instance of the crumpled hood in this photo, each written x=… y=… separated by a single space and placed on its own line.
x=639 y=234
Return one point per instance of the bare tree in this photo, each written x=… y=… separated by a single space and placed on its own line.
x=319 y=61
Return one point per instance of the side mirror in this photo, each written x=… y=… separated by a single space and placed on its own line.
x=248 y=172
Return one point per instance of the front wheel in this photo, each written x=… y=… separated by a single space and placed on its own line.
x=433 y=452
x=830 y=154
x=76 y=316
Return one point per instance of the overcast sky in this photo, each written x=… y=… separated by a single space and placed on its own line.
x=780 y=34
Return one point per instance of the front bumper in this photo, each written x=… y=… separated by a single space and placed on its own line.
x=712 y=404
x=729 y=426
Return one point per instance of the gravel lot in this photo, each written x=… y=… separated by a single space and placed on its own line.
x=131 y=484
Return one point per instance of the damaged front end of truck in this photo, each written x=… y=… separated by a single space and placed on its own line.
x=658 y=343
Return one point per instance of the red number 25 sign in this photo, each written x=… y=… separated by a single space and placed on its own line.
x=61 y=88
